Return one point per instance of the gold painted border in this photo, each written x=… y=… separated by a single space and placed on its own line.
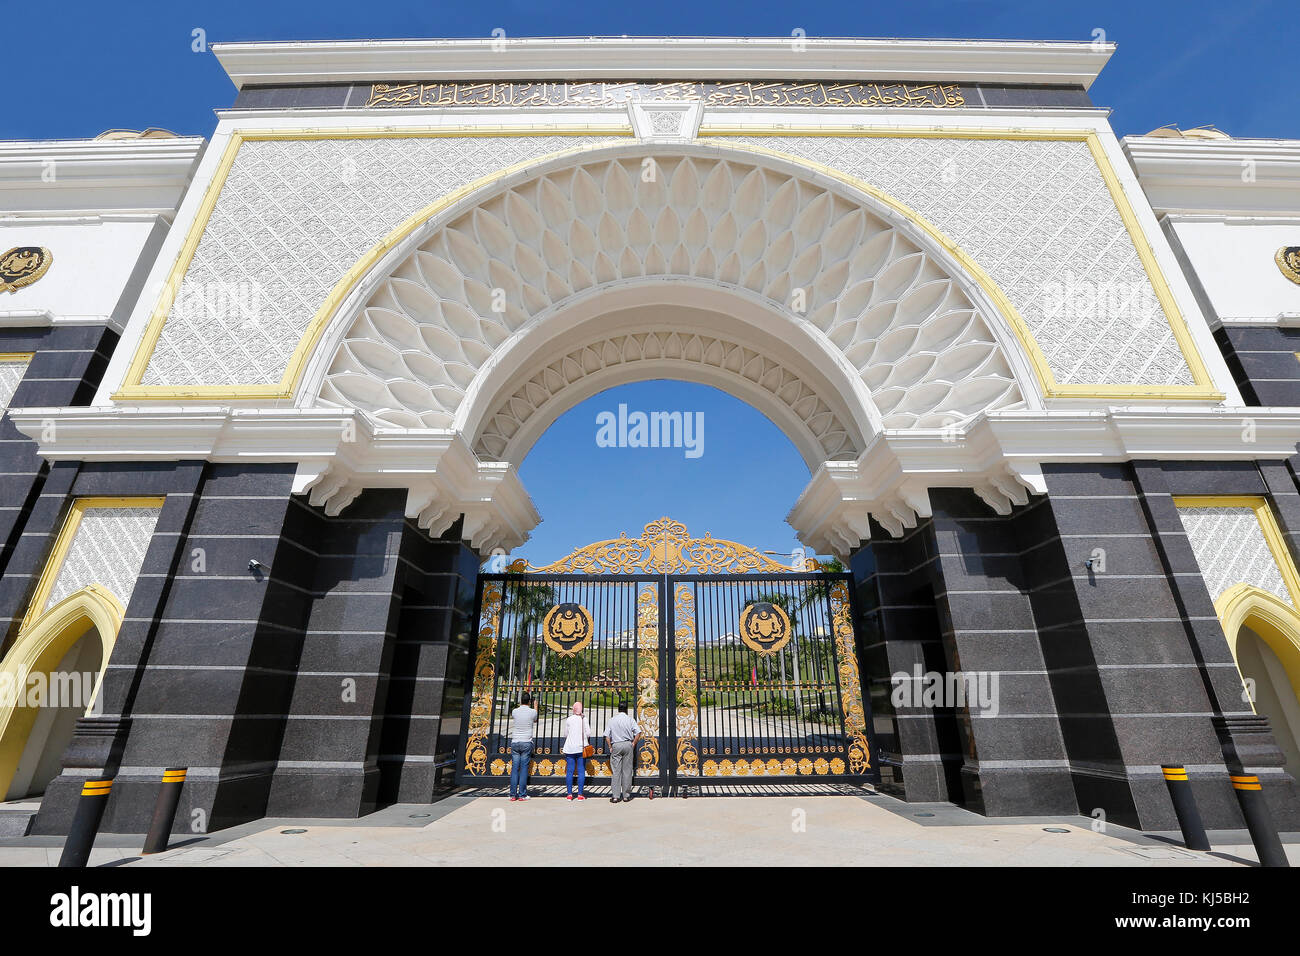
x=1267 y=524
x=63 y=544
x=1204 y=387
x=131 y=389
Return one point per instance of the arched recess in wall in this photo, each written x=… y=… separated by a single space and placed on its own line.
x=864 y=288
x=1244 y=607
x=92 y=613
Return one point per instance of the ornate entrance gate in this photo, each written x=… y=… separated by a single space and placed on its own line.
x=733 y=665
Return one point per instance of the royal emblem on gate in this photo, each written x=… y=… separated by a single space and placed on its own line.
x=1288 y=260
x=567 y=628
x=22 y=266
x=764 y=627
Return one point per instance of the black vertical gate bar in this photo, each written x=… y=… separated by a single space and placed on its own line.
x=666 y=621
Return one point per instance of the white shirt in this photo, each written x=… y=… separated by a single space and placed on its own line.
x=622 y=728
x=577 y=730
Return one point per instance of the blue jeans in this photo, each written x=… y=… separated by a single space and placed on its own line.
x=571 y=760
x=520 y=752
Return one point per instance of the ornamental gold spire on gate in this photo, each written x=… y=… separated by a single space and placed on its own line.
x=665 y=546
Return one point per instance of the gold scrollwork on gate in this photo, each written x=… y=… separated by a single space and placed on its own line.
x=687 y=706
x=855 y=720
x=481 y=701
x=647 y=678
x=665 y=546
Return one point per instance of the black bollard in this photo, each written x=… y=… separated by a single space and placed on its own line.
x=1250 y=795
x=164 y=811
x=85 y=823
x=1189 y=818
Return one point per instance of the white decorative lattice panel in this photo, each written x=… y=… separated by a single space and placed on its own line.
x=1230 y=548
x=107 y=549
x=11 y=373
x=921 y=346
x=292 y=217
x=1039 y=218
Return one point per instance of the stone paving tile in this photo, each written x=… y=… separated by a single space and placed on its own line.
x=735 y=831
x=730 y=831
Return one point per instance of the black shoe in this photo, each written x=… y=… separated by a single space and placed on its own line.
x=627 y=799
x=613 y=799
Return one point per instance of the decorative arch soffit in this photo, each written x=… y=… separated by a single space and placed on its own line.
x=1270 y=617
x=39 y=646
x=888 y=314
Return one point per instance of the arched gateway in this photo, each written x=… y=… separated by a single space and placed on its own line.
x=734 y=665
x=292 y=374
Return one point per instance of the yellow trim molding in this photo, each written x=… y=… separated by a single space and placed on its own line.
x=1267 y=524
x=131 y=388
x=63 y=544
x=1272 y=619
x=39 y=648
x=17 y=356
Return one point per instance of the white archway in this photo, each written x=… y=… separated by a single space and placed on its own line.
x=92 y=612
x=858 y=285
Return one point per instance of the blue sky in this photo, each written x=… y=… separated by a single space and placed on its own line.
x=74 y=69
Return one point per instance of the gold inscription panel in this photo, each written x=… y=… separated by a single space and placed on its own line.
x=614 y=94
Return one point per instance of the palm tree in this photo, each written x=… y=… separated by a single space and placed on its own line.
x=818 y=593
x=528 y=605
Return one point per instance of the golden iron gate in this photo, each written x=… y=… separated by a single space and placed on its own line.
x=736 y=668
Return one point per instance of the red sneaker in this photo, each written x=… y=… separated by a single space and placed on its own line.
x=514 y=799
x=581 y=797
x=569 y=797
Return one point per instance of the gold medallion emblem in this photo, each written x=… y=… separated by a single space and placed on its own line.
x=1288 y=260
x=764 y=627
x=567 y=628
x=22 y=266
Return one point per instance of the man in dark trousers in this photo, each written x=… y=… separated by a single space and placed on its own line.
x=622 y=734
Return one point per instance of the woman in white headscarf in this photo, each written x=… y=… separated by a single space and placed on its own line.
x=576 y=734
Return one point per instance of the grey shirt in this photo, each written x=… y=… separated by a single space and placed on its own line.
x=622 y=728
x=523 y=720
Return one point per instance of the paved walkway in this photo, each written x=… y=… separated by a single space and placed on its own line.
x=734 y=831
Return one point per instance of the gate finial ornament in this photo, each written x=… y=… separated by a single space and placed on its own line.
x=665 y=546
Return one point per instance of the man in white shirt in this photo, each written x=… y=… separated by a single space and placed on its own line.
x=622 y=733
x=523 y=724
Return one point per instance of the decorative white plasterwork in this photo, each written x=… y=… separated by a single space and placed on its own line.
x=107 y=549
x=1000 y=455
x=846 y=275
x=292 y=217
x=11 y=373
x=1230 y=548
x=338 y=453
x=660 y=349
x=1255 y=177
x=1038 y=216
x=665 y=121
x=89 y=176
x=691 y=58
